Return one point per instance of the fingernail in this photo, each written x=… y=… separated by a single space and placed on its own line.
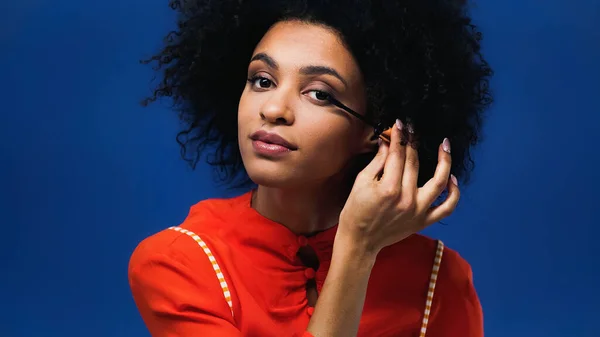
x=399 y=124
x=454 y=180
x=446 y=145
x=410 y=128
x=379 y=141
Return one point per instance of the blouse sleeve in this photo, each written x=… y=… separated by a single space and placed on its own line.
x=175 y=300
x=459 y=312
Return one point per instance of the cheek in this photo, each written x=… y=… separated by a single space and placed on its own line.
x=243 y=107
x=330 y=140
x=247 y=113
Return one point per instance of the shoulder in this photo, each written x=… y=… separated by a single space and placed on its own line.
x=215 y=213
x=454 y=263
x=453 y=267
x=456 y=307
x=417 y=254
x=168 y=244
x=181 y=244
x=174 y=279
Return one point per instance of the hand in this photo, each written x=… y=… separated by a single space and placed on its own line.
x=385 y=205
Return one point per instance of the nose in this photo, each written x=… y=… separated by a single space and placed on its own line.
x=277 y=109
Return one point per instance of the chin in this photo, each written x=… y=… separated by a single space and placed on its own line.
x=287 y=172
x=273 y=174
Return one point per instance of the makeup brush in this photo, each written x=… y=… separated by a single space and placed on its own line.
x=384 y=135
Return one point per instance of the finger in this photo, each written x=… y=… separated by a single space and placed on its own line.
x=443 y=210
x=411 y=171
x=436 y=185
x=373 y=169
x=394 y=164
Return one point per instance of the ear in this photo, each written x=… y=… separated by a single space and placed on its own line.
x=368 y=142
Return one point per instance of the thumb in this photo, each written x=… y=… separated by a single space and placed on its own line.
x=376 y=165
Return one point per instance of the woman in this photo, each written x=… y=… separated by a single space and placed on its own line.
x=323 y=242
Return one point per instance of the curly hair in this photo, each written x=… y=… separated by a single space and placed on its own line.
x=421 y=63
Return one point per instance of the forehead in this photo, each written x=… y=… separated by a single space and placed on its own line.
x=294 y=44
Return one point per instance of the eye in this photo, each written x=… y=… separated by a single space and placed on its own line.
x=319 y=95
x=260 y=82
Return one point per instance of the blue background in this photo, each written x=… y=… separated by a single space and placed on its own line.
x=87 y=173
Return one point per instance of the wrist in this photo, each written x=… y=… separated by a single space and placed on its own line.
x=354 y=252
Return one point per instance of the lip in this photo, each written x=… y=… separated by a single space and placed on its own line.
x=271 y=144
x=273 y=139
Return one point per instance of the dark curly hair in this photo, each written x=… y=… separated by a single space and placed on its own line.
x=420 y=59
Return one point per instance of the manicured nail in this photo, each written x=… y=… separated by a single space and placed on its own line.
x=379 y=141
x=399 y=124
x=446 y=145
x=454 y=180
x=410 y=128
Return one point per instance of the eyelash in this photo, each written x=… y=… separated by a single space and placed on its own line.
x=252 y=80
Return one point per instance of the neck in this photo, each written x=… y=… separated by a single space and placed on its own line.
x=303 y=210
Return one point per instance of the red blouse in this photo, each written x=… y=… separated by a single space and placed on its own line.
x=228 y=271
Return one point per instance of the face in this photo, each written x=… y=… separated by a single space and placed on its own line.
x=289 y=134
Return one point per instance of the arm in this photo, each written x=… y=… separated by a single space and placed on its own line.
x=385 y=206
x=341 y=301
x=176 y=301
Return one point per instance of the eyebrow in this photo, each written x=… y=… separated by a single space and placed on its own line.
x=266 y=59
x=311 y=70
x=322 y=70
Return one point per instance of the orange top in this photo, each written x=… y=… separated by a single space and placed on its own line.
x=228 y=271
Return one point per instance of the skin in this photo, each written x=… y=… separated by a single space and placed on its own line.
x=327 y=138
x=303 y=190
